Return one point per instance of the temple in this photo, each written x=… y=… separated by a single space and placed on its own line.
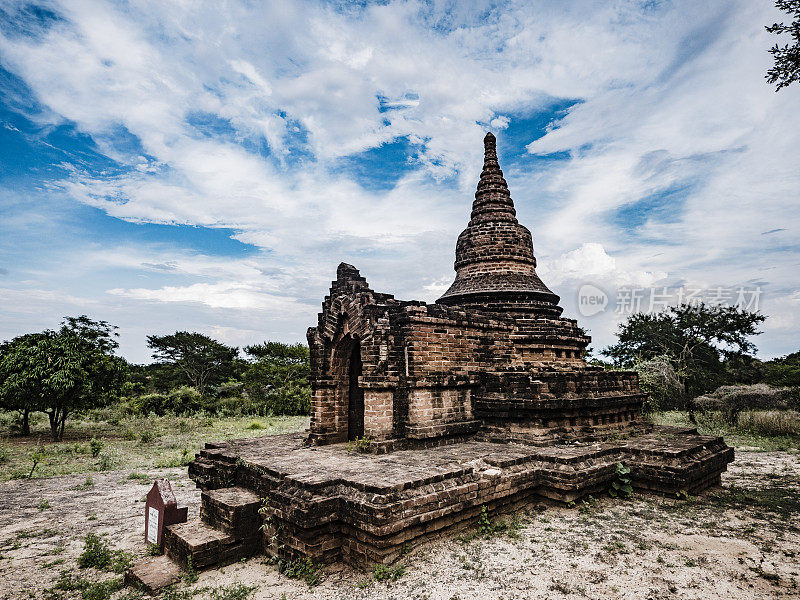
x=492 y=359
x=426 y=416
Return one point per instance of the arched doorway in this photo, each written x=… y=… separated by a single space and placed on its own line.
x=355 y=395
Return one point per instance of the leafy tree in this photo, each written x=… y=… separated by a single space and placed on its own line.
x=84 y=371
x=202 y=361
x=745 y=369
x=784 y=371
x=22 y=375
x=787 y=58
x=695 y=338
x=62 y=372
x=277 y=377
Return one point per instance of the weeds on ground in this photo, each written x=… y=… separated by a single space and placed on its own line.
x=301 y=568
x=386 y=573
x=90 y=590
x=96 y=446
x=97 y=554
x=359 y=445
x=235 y=591
x=621 y=485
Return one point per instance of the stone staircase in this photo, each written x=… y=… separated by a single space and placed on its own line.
x=229 y=529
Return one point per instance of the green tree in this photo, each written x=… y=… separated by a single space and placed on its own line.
x=695 y=338
x=22 y=375
x=784 y=371
x=65 y=371
x=202 y=360
x=786 y=69
x=277 y=377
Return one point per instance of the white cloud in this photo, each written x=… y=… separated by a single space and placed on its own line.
x=671 y=97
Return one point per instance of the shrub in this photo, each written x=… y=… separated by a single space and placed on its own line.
x=301 y=568
x=95 y=446
x=731 y=400
x=148 y=403
x=96 y=553
x=657 y=377
x=621 y=485
x=107 y=461
x=184 y=400
x=770 y=422
x=384 y=573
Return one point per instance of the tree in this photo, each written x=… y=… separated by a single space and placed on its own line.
x=695 y=338
x=62 y=372
x=83 y=370
x=784 y=371
x=22 y=375
x=787 y=58
x=202 y=360
x=278 y=377
x=657 y=377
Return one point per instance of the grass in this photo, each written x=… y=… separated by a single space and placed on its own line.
x=171 y=442
x=765 y=430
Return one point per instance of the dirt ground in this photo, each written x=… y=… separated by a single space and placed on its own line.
x=741 y=541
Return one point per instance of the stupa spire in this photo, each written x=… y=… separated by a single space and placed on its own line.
x=492 y=198
x=495 y=265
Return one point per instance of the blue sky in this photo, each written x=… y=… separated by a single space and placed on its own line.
x=206 y=167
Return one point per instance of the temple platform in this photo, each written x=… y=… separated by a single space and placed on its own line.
x=331 y=504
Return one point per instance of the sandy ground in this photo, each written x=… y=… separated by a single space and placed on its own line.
x=742 y=541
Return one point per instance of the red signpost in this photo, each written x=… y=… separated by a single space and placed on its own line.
x=161 y=510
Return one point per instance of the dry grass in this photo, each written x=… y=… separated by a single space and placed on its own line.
x=125 y=442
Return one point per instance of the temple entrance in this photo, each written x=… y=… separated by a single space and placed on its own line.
x=355 y=405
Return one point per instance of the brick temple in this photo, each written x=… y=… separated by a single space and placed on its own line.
x=482 y=399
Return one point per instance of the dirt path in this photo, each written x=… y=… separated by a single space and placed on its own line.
x=740 y=542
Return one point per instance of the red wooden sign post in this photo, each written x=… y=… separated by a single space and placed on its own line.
x=161 y=510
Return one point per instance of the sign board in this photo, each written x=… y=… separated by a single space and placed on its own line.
x=161 y=510
x=152 y=524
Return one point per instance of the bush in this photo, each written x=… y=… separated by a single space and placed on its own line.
x=184 y=400
x=731 y=400
x=96 y=446
x=657 y=377
x=96 y=553
x=146 y=404
x=770 y=422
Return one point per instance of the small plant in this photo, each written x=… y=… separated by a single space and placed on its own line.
x=301 y=568
x=484 y=523
x=121 y=561
x=173 y=593
x=96 y=553
x=190 y=576
x=385 y=573
x=235 y=591
x=155 y=550
x=36 y=456
x=146 y=436
x=255 y=425
x=96 y=446
x=43 y=505
x=360 y=445
x=621 y=486
x=107 y=461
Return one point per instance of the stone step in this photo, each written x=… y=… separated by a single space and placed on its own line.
x=153 y=573
x=203 y=546
x=234 y=510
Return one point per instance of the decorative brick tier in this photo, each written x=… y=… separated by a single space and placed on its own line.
x=333 y=505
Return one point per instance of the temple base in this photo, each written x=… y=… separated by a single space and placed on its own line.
x=330 y=504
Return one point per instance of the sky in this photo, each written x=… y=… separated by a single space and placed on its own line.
x=205 y=166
